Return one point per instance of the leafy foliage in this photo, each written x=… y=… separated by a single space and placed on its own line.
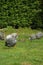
x=20 y=13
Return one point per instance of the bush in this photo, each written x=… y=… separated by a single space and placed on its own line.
x=21 y=13
x=3 y=24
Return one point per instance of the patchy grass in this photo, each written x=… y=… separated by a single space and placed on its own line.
x=25 y=63
x=25 y=52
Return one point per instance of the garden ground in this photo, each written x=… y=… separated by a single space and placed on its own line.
x=25 y=52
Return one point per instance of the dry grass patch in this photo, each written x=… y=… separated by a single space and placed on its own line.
x=25 y=63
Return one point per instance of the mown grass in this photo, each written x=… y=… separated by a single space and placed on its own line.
x=25 y=52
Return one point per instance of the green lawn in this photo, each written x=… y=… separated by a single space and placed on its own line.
x=25 y=52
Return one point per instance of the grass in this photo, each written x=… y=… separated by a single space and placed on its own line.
x=25 y=52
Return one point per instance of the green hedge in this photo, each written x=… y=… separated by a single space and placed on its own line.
x=20 y=13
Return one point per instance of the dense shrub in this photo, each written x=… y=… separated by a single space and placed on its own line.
x=21 y=13
x=3 y=24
